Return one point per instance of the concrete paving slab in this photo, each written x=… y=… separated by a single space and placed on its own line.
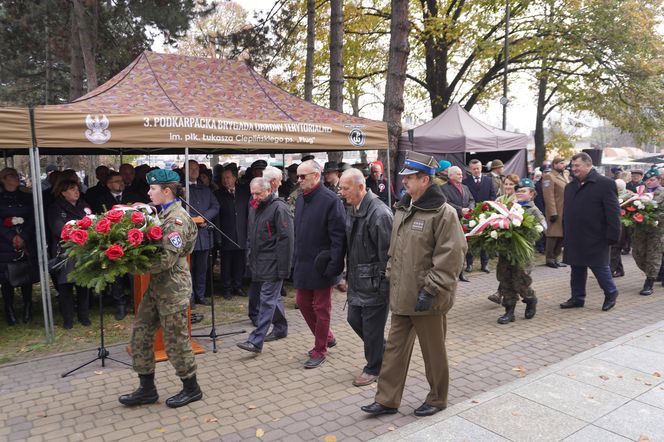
x=592 y=433
x=636 y=358
x=519 y=419
x=574 y=398
x=452 y=430
x=634 y=421
x=654 y=397
x=611 y=377
x=652 y=341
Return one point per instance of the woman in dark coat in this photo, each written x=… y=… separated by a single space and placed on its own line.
x=68 y=206
x=17 y=241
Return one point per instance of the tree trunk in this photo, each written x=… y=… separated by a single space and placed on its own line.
x=336 y=63
x=435 y=60
x=396 y=79
x=86 y=34
x=540 y=151
x=311 y=43
x=76 y=63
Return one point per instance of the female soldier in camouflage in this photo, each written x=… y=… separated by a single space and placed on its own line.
x=515 y=281
x=166 y=300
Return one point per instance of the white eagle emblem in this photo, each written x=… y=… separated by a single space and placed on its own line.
x=97 y=132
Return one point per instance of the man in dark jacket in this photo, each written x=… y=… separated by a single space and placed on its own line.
x=482 y=189
x=114 y=192
x=320 y=246
x=378 y=184
x=232 y=220
x=270 y=258
x=368 y=230
x=591 y=224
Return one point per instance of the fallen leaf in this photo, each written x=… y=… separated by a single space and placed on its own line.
x=162 y=430
x=260 y=433
x=211 y=419
x=99 y=372
x=647 y=383
x=590 y=397
x=474 y=402
x=644 y=438
x=519 y=368
x=330 y=438
x=41 y=414
x=657 y=375
x=251 y=407
x=391 y=428
x=516 y=413
x=184 y=418
x=619 y=376
x=582 y=328
x=604 y=377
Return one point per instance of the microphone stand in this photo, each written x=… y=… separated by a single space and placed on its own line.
x=213 y=331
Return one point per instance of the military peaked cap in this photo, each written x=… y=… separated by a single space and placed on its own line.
x=419 y=163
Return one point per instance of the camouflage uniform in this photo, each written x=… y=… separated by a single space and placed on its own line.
x=292 y=198
x=648 y=241
x=166 y=300
x=513 y=280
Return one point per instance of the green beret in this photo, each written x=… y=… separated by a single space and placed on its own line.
x=162 y=176
x=651 y=173
x=525 y=182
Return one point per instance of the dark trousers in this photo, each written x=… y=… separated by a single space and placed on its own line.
x=616 y=249
x=233 y=263
x=270 y=311
x=580 y=275
x=118 y=289
x=66 y=297
x=254 y=296
x=316 y=308
x=369 y=324
x=484 y=258
x=554 y=245
x=8 y=295
x=199 y=265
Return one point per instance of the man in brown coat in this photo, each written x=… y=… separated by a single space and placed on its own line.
x=426 y=255
x=553 y=188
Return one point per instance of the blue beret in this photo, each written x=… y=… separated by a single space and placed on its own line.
x=162 y=176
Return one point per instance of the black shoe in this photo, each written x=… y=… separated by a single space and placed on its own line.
x=572 y=303
x=531 y=309
x=227 y=295
x=377 y=409
x=463 y=278
x=203 y=301
x=145 y=394
x=625 y=252
x=561 y=264
x=469 y=268
x=609 y=302
x=551 y=264
x=191 y=392
x=239 y=292
x=647 y=287
x=332 y=343
x=426 y=410
x=314 y=362
x=68 y=324
x=120 y=312
x=508 y=316
x=196 y=318
x=618 y=274
x=248 y=346
x=254 y=323
x=272 y=337
x=85 y=322
x=485 y=269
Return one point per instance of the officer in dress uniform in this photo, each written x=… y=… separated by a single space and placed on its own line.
x=332 y=174
x=166 y=300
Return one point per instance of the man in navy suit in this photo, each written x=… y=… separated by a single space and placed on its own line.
x=482 y=189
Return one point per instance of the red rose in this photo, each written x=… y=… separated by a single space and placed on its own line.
x=103 y=226
x=64 y=234
x=638 y=217
x=114 y=252
x=84 y=222
x=154 y=233
x=8 y=222
x=631 y=209
x=137 y=217
x=80 y=237
x=465 y=228
x=115 y=216
x=467 y=216
x=135 y=237
x=622 y=212
x=485 y=206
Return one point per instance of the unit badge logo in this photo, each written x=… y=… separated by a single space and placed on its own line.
x=97 y=132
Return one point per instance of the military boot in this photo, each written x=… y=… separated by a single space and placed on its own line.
x=10 y=317
x=146 y=393
x=508 y=316
x=647 y=287
x=191 y=392
x=531 y=308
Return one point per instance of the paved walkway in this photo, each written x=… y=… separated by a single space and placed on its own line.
x=612 y=393
x=272 y=396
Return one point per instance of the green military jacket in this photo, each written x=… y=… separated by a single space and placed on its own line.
x=170 y=280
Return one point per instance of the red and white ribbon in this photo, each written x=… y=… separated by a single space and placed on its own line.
x=641 y=195
x=501 y=220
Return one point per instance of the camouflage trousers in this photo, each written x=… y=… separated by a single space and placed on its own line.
x=647 y=248
x=176 y=338
x=514 y=281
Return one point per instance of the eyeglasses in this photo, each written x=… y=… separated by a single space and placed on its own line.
x=303 y=176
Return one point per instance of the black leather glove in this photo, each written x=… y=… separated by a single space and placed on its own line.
x=553 y=218
x=424 y=301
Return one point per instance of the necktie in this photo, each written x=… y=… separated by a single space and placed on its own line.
x=477 y=180
x=118 y=198
x=232 y=192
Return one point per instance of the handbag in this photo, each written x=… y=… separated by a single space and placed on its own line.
x=24 y=272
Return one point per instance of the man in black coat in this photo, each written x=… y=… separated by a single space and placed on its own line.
x=232 y=220
x=482 y=189
x=320 y=246
x=591 y=224
x=114 y=192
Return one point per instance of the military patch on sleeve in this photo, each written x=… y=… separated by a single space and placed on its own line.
x=418 y=224
x=175 y=239
x=546 y=183
x=178 y=221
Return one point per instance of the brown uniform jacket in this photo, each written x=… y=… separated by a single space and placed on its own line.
x=553 y=188
x=427 y=250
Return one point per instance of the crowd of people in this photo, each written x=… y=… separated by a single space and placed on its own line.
x=332 y=226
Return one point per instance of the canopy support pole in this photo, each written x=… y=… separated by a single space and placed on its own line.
x=186 y=173
x=40 y=226
x=389 y=177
